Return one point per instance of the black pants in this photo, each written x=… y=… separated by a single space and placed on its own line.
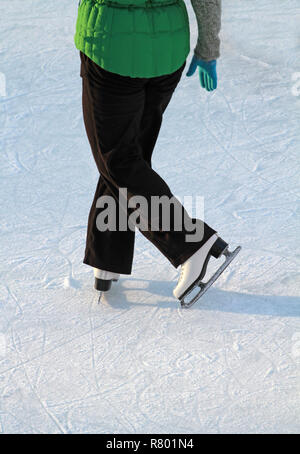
x=122 y=117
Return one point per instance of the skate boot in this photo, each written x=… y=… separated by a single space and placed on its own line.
x=193 y=270
x=103 y=280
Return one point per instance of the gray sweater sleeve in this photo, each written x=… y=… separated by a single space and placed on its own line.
x=208 y=15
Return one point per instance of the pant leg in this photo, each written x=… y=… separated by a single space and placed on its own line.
x=115 y=243
x=116 y=106
x=102 y=247
x=159 y=91
x=158 y=94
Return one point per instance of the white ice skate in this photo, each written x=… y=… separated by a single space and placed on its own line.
x=194 y=269
x=103 y=280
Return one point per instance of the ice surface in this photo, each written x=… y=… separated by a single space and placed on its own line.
x=138 y=363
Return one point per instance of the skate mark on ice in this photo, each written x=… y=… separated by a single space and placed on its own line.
x=43 y=405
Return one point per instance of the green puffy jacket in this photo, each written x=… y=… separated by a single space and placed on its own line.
x=136 y=38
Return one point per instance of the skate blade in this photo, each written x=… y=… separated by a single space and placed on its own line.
x=204 y=286
x=101 y=292
x=99 y=299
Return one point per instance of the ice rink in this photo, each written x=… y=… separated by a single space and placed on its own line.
x=138 y=363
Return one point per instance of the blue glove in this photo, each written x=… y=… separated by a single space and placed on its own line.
x=207 y=72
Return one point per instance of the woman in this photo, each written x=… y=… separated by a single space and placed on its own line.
x=133 y=53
